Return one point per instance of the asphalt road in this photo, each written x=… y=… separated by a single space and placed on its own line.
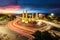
x=27 y=31
x=50 y=23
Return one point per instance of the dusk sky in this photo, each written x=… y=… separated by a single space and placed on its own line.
x=44 y=6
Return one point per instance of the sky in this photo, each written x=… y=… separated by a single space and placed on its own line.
x=43 y=6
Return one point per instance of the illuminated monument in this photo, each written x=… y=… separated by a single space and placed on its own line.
x=31 y=17
x=36 y=17
x=23 y=15
x=26 y=16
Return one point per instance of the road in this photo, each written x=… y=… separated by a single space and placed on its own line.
x=50 y=23
x=27 y=31
x=19 y=30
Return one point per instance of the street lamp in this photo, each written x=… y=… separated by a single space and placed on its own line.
x=52 y=14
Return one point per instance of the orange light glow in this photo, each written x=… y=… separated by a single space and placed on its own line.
x=9 y=9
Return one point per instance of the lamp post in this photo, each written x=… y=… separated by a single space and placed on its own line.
x=52 y=14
